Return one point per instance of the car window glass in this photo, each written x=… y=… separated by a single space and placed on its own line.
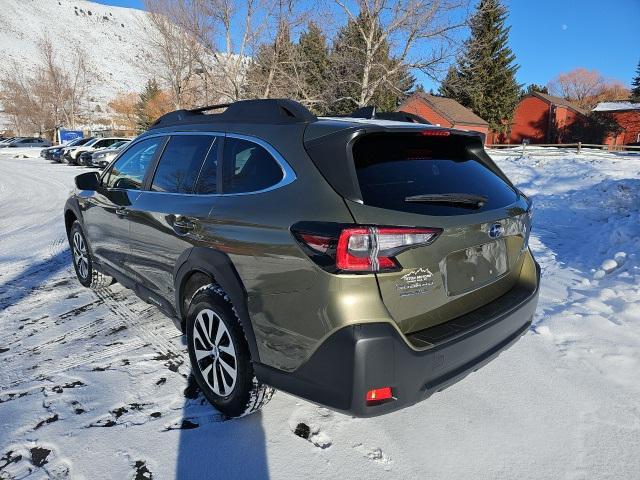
x=248 y=167
x=180 y=163
x=128 y=172
x=208 y=178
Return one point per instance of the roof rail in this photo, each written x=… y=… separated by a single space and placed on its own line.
x=372 y=113
x=268 y=111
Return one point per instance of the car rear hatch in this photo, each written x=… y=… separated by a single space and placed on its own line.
x=443 y=180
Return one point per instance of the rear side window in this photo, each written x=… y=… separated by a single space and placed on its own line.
x=181 y=163
x=248 y=167
x=393 y=167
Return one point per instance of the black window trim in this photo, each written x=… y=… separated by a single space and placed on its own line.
x=288 y=174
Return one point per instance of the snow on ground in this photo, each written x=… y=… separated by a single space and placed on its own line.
x=97 y=386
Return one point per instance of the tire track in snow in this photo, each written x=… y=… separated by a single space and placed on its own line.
x=159 y=342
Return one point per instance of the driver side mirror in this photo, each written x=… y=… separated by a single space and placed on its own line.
x=88 y=181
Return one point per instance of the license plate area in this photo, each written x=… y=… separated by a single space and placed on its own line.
x=474 y=267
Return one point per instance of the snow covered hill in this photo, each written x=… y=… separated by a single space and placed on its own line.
x=97 y=385
x=110 y=36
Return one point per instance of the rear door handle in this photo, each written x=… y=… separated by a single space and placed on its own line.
x=122 y=212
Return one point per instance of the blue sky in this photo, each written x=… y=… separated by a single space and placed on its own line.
x=554 y=36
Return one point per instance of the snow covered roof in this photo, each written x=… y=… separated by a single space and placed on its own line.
x=616 y=106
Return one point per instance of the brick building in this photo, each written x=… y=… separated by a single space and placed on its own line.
x=627 y=115
x=542 y=118
x=445 y=112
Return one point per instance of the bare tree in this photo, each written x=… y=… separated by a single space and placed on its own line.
x=417 y=32
x=586 y=87
x=175 y=46
x=53 y=93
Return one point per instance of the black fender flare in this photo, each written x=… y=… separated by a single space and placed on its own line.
x=217 y=265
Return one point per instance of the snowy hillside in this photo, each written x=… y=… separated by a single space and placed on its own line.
x=98 y=386
x=111 y=37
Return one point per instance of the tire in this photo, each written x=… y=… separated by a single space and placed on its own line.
x=211 y=317
x=82 y=262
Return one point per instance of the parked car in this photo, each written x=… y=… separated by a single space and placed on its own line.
x=52 y=153
x=72 y=154
x=362 y=264
x=7 y=140
x=72 y=144
x=30 y=142
x=102 y=158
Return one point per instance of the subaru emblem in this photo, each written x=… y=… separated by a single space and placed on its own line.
x=496 y=230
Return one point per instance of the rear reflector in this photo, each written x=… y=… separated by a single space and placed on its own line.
x=379 y=395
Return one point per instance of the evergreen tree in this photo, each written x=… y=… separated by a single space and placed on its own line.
x=635 y=87
x=534 y=87
x=484 y=79
x=142 y=110
x=450 y=86
x=272 y=68
x=313 y=64
x=347 y=63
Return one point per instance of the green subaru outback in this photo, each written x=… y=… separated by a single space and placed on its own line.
x=360 y=263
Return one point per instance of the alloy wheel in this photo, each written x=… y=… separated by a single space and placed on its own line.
x=215 y=352
x=80 y=256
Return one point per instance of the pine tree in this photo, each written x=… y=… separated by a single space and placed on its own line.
x=534 y=87
x=271 y=70
x=313 y=64
x=635 y=84
x=347 y=63
x=450 y=86
x=149 y=94
x=486 y=71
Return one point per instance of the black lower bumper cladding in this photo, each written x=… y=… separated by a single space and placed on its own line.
x=358 y=358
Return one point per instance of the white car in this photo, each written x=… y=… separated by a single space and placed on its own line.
x=72 y=154
x=102 y=158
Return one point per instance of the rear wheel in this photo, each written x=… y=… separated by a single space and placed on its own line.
x=220 y=357
x=82 y=262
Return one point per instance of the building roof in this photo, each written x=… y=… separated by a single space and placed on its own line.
x=616 y=106
x=450 y=109
x=559 y=101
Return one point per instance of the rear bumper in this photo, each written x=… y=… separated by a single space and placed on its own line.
x=361 y=357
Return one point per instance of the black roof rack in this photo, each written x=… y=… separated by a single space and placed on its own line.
x=372 y=113
x=270 y=111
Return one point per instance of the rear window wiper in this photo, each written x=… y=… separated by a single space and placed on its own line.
x=462 y=199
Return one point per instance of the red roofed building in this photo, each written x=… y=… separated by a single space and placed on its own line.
x=541 y=118
x=627 y=115
x=445 y=112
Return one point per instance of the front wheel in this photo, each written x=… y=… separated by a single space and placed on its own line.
x=87 y=275
x=220 y=357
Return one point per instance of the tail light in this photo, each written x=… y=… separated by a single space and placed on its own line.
x=359 y=249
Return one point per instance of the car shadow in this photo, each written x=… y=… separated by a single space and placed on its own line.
x=17 y=288
x=213 y=446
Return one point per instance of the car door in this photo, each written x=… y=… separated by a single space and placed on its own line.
x=106 y=211
x=171 y=215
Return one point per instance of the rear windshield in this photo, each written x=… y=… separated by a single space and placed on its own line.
x=393 y=167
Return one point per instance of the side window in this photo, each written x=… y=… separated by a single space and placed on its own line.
x=208 y=178
x=248 y=167
x=128 y=172
x=181 y=162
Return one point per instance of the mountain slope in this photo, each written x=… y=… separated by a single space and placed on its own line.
x=111 y=37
